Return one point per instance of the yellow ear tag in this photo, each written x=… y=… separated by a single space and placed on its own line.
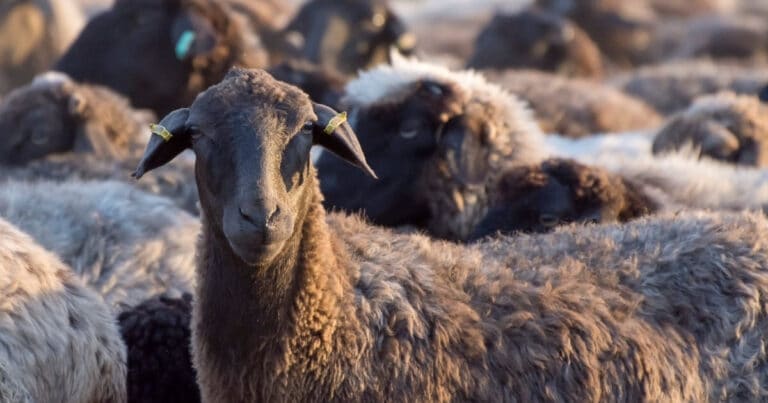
x=334 y=124
x=161 y=131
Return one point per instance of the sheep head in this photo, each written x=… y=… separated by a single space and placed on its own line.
x=724 y=126
x=537 y=40
x=540 y=197
x=40 y=119
x=252 y=137
x=159 y=53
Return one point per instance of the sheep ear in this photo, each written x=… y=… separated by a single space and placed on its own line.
x=168 y=140
x=192 y=35
x=763 y=94
x=77 y=104
x=333 y=133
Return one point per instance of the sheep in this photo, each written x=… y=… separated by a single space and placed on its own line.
x=33 y=34
x=437 y=138
x=672 y=87
x=329 y=308
x=125 y=244
x=157 y=335
x=168 y=51
x=725 y=126
x=577 y=108
x=54 y=114
x=347 y=35
x=540 y=197
x=621 y=29
x=729 y=37
x=60 y=342
x=537 y=40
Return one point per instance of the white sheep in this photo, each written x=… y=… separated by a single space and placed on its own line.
x=59 y=342
x=126 y=244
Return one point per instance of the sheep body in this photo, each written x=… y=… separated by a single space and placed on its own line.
x=60 y=341
x=729 y=37
x=124 y=243
x=157 y=335
x=672 y=87
x=175 y=181
x=577 y=108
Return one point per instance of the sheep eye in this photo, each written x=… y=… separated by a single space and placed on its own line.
x=195 y=132
x=409 y=132
x=39 y=138
x=548 y=220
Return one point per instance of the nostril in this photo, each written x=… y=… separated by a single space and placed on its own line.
x=246 y=216
x=272 y=217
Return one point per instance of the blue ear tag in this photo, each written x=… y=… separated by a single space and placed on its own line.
x=184 y=44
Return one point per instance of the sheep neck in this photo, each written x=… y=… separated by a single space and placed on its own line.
x=277 y=312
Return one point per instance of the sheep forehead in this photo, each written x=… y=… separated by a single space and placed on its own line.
x=254 y=93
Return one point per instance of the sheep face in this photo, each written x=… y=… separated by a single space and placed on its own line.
x=538 y=40
x=538 y=198
x=399 y=138
x=149 y=50
x=38 y=120
x=252 y=136
x=347 y=35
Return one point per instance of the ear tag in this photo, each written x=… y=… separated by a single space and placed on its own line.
x=161 y=131
x=334 y=124
x=184 y=44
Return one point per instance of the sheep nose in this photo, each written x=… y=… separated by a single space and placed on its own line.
x=262 y=215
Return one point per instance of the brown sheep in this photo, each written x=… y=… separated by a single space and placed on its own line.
x=577 y=108
x=328 y=308
x=672 y=87
x=742 y=38
x=622 y=29
x=540 y=197
x=55 y=115
x=725 y=126
x=537 y=40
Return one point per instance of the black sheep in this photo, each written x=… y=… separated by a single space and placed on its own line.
x=160 y=53
x=538 y=40
x=157 y=335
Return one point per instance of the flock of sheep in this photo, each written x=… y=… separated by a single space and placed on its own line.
x=557 y=201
